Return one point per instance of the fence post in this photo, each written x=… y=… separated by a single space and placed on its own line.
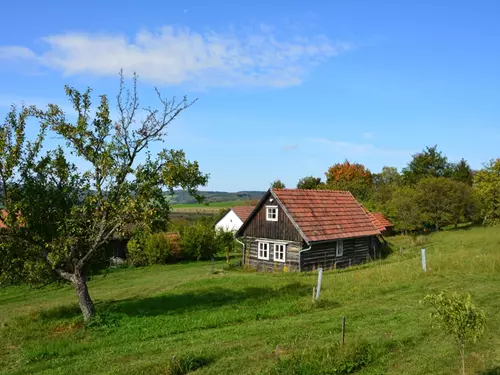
x=314 y=293
x=343 y=329
x=320 y=276
x=424 y=263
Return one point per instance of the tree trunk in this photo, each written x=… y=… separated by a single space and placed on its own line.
x=84 y=300
x=462 y=355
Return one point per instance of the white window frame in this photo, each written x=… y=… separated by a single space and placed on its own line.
x=283 y=246
x=268 y=246
x=339 y=251
x=268 y=209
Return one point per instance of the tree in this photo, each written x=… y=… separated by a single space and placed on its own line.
x=458 y=317
x=403 y=209
x=384 y=184
x=278 y=185
x=353 y=177
x=65 y=216
x=435 y=196
x=309 y=183
x=428 y=163
x=348 y=172
x=461 y=171
x=462 y=202
x=487 y=186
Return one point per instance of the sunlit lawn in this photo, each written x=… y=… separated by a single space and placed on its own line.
x=234 y=320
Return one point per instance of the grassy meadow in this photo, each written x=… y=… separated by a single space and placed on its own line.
x=231 y=321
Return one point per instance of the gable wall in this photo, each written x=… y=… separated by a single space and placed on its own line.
x=283 y=229
x=230 y=222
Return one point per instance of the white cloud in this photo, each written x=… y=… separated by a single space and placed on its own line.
x=16 y=52
x=350 y=149
x=175 y=55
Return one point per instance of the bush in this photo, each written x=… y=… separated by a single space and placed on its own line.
x=199 y=240
x=146 y=249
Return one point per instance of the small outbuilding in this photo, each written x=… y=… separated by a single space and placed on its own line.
x=304 y=229
x=383 y=224
x=234 y=218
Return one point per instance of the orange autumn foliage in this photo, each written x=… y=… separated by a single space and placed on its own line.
x=348 y=172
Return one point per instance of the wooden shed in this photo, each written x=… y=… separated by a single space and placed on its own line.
x=304 y=229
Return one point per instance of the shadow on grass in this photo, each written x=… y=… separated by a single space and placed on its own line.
x=183 y=302
x=491 y=371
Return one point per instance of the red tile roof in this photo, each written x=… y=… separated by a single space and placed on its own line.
x=324 y=215
x=243 y=212
x=380 y=221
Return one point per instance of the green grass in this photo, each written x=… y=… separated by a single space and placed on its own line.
x=230 y=322
x=219 y=205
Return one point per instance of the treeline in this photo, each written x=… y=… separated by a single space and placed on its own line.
x=429 y=193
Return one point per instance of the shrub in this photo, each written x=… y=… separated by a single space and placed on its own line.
x=199 y=240
x=146 y=249
x=157 y=249
x=458 y=317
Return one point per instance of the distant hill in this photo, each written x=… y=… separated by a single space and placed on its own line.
x=183 y=197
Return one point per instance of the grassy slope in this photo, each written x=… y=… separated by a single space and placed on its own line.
x=236 y=319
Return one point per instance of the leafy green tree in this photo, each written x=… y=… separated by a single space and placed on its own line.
x=309 y=182
x=60 y=218
x=384 y=184
x=461 y=171
x=487 y=187
x=458 y=317
x=278 y=185
x=462 y=202
x=434 y=198
x=403 y=209
x=428 y=163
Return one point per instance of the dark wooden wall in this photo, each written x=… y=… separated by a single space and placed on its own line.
x=291 y=257
x=283 y=229
x=356 y=251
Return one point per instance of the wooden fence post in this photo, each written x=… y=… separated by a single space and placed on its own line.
x=343 y=329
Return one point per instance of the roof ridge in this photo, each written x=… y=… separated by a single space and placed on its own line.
x=322 y=190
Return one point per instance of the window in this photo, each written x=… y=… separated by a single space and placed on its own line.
x=272 y=213
x=263 y=252
x=340 y=248
x=279 y=252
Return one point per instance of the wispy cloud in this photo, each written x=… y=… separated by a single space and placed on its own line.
x=350 y=149
x=290 y=147
x=261 y=57
x=368 y=135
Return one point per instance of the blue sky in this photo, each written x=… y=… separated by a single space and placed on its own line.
x=285 y=90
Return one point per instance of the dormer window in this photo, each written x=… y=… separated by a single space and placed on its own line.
x=272 y=213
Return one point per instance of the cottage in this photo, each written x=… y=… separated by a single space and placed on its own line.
x=383 y=224
x=234 y=218
x=303 y=229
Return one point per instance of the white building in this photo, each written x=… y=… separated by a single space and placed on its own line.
x=233 y=220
